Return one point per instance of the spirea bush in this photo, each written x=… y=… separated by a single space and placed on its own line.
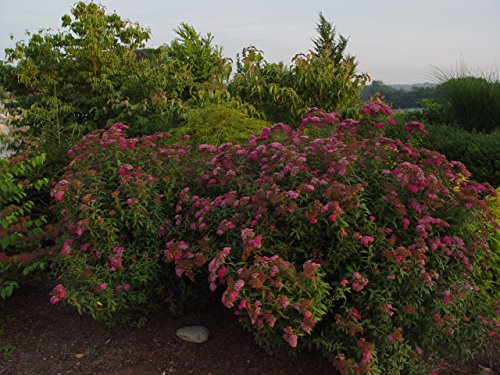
x=331 y=237
x=478 y=151
x=115 y=196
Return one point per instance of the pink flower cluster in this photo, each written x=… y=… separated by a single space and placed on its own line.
x=359 y=282
x=59 y=292
x=115 y=259
x=415 y=126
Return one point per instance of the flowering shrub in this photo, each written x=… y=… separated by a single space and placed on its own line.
x=113 y=200
x=330 y=237
x=336 y=238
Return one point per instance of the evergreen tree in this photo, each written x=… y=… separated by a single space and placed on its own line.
x=327 y=44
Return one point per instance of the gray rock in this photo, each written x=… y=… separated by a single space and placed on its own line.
x=196 y=334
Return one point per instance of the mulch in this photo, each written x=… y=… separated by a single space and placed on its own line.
x=54 y=339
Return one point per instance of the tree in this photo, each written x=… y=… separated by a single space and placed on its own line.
x=69 y=80
x=327 y=44
x=324 y=78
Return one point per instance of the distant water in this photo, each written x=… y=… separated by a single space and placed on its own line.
x=403 y=110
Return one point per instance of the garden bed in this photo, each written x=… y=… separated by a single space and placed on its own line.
x=49 y=339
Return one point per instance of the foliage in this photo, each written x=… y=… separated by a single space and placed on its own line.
x=204 y=60
x=473 y=102
x=285 y=93
x=113 y=199
x=22 y=233
x=331 y=237
x=216 y=124
x=327 y=44
x=399 y=98
x=373 y=234
x=69 y=77
x=478 y=151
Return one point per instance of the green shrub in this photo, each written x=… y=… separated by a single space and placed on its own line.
x=470 y=100
x=478 y=151
x=473 y=102
x=325 y=78
x=24 y=248
x=216 y=124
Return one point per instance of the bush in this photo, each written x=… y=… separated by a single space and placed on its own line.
x=330 y=237
x=360 y=241
x=216 y=124
x=115 y=197
x=325 y=78
x=93 y=73
x=24 y=245
x=478 y=151
x=472 y=102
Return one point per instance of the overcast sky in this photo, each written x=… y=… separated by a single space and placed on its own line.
x=396 y=41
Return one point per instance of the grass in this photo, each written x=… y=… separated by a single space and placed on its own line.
x=471 y=99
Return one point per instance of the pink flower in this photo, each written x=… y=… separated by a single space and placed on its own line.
x=282 y=302
x=221 y=272
x=59 y=293
x=366 y=240
x=415 y=125
x=406 y=223
x=257 y=241
x=54 y=300
x=66 y=249
x=367 y=356
x=359 y=283
x=59 y=195
x=213 y=286
x=344 y=282
x=290 y=337
x=238 y=285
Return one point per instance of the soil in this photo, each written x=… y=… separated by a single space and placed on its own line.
x=54 y=339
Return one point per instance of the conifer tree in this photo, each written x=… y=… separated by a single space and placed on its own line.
x=327 y=44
